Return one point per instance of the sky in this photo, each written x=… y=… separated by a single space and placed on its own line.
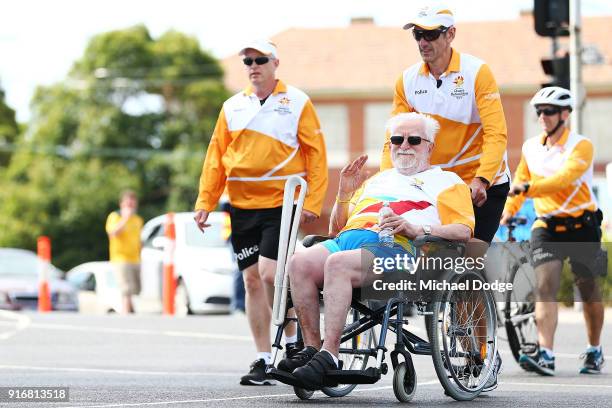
x=40 y=39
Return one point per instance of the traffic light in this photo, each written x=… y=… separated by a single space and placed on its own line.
x=559 y=70
x=551 y=17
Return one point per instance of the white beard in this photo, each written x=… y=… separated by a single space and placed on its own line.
x=408 y=162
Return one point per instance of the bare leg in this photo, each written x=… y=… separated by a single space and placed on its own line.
x=343 y=272
x=306 y=273
x=546 y=308
x=128 y=307
x=257 y=308
x=267 y=271
x=475 y=309
x=592 y=308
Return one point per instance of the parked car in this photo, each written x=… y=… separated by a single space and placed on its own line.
x=97 y=285
x=19 y=269
x=203 y=263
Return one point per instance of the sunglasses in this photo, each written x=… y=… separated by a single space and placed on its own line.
x=259 y=60
x=412 y=140
x=548 y=111
x=428 y=35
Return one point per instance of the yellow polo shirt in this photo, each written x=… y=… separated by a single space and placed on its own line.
x=125 y=246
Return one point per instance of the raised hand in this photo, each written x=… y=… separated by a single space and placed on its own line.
x=352 y=176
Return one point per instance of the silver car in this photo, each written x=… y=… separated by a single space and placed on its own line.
x=19 y=269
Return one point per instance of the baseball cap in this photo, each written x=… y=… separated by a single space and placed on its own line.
x=266 y=47
x=432 y=17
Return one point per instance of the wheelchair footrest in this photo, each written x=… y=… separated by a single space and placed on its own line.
x=368 y=376
x=284 y=377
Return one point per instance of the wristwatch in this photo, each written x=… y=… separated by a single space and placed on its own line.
x=426 y=229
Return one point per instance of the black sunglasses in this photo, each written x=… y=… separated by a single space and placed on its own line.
x=259 y=60
x=547 y=111
x=412 y=140
x=428 y=35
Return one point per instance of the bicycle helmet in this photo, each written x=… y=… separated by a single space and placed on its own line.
x=553 y=95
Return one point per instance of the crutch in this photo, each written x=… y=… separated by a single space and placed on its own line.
x=286 y=246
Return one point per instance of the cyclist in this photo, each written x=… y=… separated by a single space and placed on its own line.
x=556 y=170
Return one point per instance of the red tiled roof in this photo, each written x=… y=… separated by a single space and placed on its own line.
x=365 y=58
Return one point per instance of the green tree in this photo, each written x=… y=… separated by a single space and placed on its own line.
x=8 y=130
x=134 y=112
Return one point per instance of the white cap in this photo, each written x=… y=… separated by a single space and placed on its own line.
x=266 y=47
x=432 y=17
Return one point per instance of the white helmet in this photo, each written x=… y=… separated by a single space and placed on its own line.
x=553 y=95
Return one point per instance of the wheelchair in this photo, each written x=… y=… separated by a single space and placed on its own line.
x=461 y=328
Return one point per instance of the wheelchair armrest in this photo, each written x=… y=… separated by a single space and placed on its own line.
x=425 y=239
x=429 y=239
x=310 y=240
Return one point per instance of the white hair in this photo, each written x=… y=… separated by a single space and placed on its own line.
x=430 y=124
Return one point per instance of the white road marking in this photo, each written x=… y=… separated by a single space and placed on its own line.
x=561 y=355
x=170 y=333
x=21 y=322
x=117 y=371
x=201 y=401
x=540 y=384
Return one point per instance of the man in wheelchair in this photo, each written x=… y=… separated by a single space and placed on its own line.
x=425 y=201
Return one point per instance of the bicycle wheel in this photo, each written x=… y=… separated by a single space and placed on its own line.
x=519 y=313
x=464 y=337
x=353 y=356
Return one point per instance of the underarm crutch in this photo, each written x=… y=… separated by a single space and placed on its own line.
x=286 y=245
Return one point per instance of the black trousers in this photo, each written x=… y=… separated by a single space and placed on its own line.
x=488 y=216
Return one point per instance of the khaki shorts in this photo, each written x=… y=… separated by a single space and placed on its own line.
x=128 y=277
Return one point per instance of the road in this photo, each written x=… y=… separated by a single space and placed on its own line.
x=150 y=361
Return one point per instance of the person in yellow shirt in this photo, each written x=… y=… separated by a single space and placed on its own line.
x=265 y=134
x=556 y=170
x=123 y=228
x=460 y=92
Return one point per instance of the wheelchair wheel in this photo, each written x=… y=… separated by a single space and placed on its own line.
x=463 y=337
x=519 y=314
x=351 y=357
x=404 y=382
x=302 y=393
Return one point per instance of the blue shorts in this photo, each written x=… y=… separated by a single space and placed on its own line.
x=368 y=240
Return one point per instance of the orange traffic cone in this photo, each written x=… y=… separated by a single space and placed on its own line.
x=44 y=255
x=169 y=282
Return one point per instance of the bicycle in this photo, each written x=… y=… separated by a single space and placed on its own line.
x=518 y=313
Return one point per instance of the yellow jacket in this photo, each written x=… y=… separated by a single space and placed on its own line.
x=559 y=177
x=472 y=138
x=255 y=148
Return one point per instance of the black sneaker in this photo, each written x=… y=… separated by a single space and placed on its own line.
x=291 y=349
x=312 y=375
x=593 y=361
x=541 y=363
x=298 y=359
x=257 y=375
